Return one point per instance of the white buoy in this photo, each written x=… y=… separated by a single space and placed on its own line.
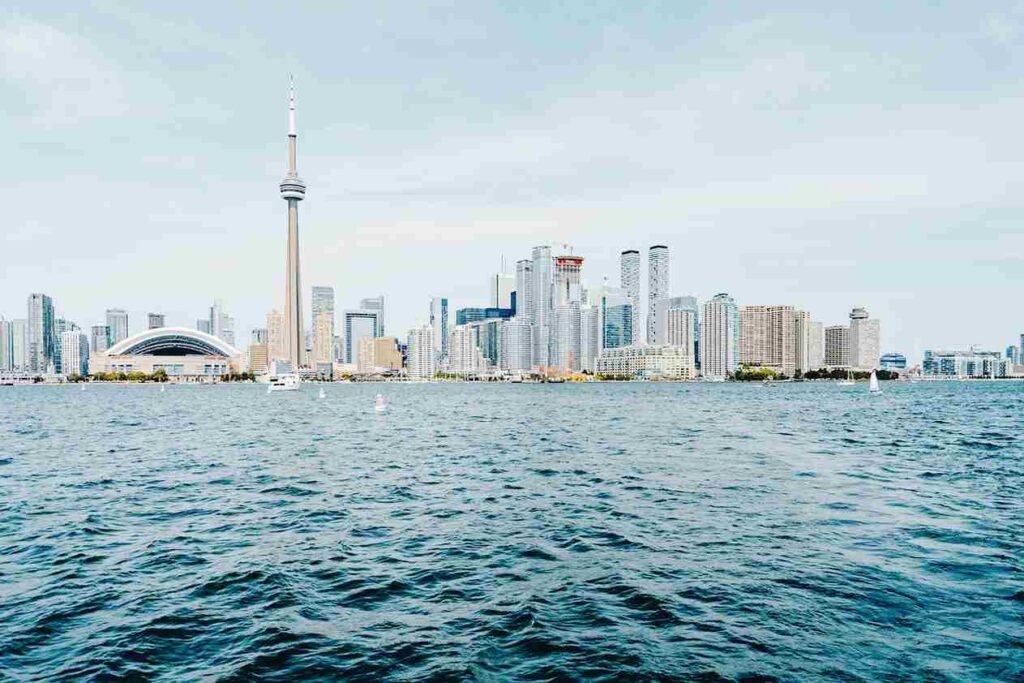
x=162 y=388
x=322 y=394
x=380 y=404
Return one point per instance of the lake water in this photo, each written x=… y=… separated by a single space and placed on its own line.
x=521 y=532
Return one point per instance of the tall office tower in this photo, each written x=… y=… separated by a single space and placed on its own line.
x=516 y=345
x=375 y=303
x=439 y=323
x=19 y=345
x=203 y=325
x=156 y=321
x=590 y=337
x=293 y=191
x=524 y=289
x=837 y=346
x=358 y=324
x=117 y=322
x=40 y=343
x=816 y=346
x=629 y=278
x=668 y=333
x=617 y=321
x=420 y=353
x=719 y=337
x=222 y=325
x=98 y=338
x=865 y=344
x=258 y=335
x=6 y=347
x=276 y=349
x=74 y=353
x=323 y=341
x=657 y=288
x=542 y=305
x=802 y=337
x=501 y=287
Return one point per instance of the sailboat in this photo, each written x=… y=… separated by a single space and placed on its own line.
x=873 y=383
x=848 y=382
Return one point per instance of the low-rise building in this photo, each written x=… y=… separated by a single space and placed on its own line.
x=972 y=362
x=664 y=361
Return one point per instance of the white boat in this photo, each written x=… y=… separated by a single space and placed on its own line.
x=873 y=383
x=163 y=388
x=322 y=394
x=380 y=405
x=284 y=382
x=849 y=381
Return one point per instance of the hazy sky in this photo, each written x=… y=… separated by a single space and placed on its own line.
x=870 y=157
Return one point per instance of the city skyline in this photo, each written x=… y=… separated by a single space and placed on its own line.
x=859 y=209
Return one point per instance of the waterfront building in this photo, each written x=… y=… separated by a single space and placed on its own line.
x=516 y=354
x=972 y=362
x=649 y=360
x=155 y=321
x=566 y=347
x=357 y=324
x=178 y=351
x=816 y=346
x=203 y=325
x=117 y=323
x=40 y=340
x=657 y=288
x=375 y=303
x=6 y=346
x=864 y=340
x=802 y=330
x=275 y=336
x=1012 y=354
x=364 y=356
x=259 y=361
x=293 y=191
x=524 y=289
x=323 y=343
x=542 y=305
x=629 y=280
x=893 y=361
x=590 y=337
x=502 y=285
x=464 y=355
x=420 y=353
x=768 y=338
x=387 y=357
x=719 y=337
x=679 y=323
x=837 y=346
x=670 y=333
x=60 y=326
x=74 y=353
x=439 y=323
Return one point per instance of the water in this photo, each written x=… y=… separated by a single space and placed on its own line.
x=620 y=532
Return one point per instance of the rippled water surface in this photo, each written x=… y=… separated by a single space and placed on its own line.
x=518 y=532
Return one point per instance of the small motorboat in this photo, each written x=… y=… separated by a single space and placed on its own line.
x=380 y=404
x=283 y=382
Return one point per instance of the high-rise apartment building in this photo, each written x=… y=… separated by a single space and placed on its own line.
x=768 y=338
x=420 y=353
x=74 y=353
x=357 y=324
x=678 y=328
x=464 y=354
x=864 y=340
x=567 y=296
x=590 y=337
x=117 y=323
x=276 y=349
x=259 y=361
x=542 y=305
x=376 y=304
x=802 y=336
x=6 y=346
x=516 y=352
x=323 y=343
x=669 y=336
x=816 y=346
x=837 y=346
x=719 y=337
x=524 y=289
x=439 y=323
x=629 y=279
x=155 y=321
x=19 y=345
x=657 y=287
x=41 y=341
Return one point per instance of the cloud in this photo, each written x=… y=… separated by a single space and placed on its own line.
x=59 y=78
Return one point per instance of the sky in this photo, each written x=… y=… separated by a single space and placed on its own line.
x=871 y=156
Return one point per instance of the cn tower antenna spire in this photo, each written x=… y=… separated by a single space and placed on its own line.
x=293 y=191
x=291 y=105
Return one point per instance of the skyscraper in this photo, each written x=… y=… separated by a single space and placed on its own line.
x=41 y=342
x=323 y=325
x=802 y=330
x=837 y=346
x=293 y=191
x=567 y=300
x=439 y=323
x=19 y=345
x=6 y=347
x=156 y=320
x=816 y=346
x=719 y=337
x=420 y=353
x=767 y=338
x=669 y=333
x=117 y=322
x=864 y=342
x=629 y=278
x=542 y=305
x=74 y=353
x=516 y=345
x=276 y=337
x=524 y=289
x=375 y=303
x=358 y=324
x=657 y=288
x=222 y=325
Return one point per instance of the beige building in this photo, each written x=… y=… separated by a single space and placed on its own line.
x=378 y=354
x=768 y=338
x=178 y=351
x=275 y=336
x=323 y=342
x=669 y=362
x=258 y=361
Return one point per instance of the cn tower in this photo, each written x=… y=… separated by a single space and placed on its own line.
x=293 y=191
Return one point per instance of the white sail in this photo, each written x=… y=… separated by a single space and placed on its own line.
x=873 y=383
